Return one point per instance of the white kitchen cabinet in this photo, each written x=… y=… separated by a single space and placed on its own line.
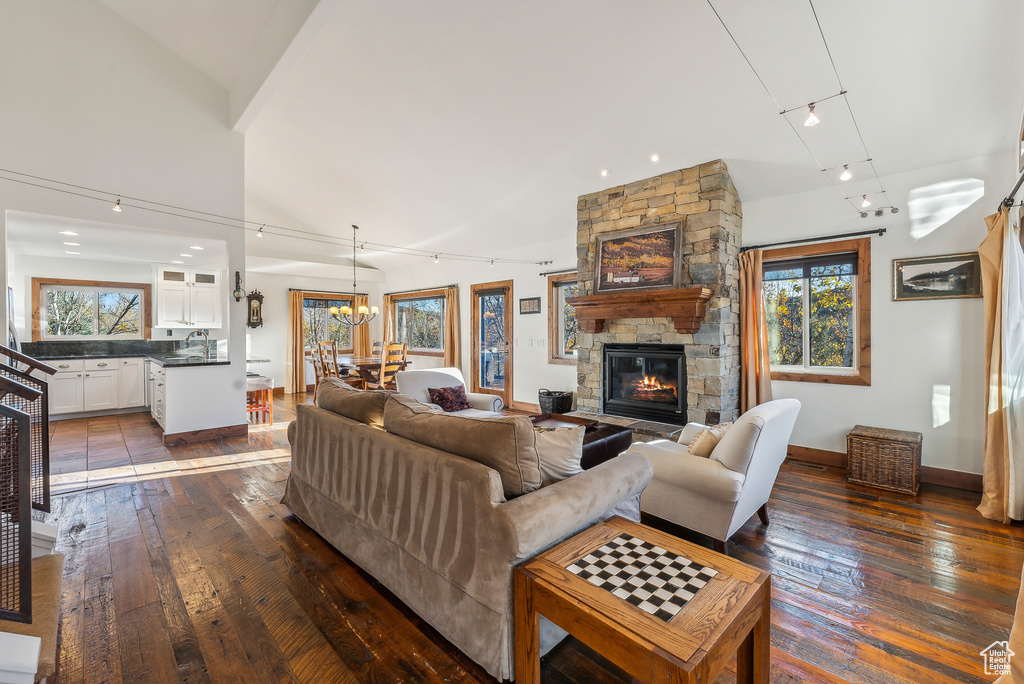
x=157 y=401
x=65 y=391
x=188 y=298
x=132 y=383
x=101 y=390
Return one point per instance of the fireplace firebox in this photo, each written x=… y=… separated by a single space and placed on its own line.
x=644 y=381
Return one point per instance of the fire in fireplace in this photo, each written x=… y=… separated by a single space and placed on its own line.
x=646 y=381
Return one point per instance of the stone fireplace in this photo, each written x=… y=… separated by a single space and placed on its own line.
x=704 y=199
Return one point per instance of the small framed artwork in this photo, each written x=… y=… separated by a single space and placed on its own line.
x=644 y=259
x=530 y=305
x=947 y=276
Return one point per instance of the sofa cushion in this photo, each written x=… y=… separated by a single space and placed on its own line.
x=560 y=450
x=365 y=406
x=449 y=398
x=506 y=444
x=707 y=439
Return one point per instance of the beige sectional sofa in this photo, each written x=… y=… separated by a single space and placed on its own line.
x=441 y=508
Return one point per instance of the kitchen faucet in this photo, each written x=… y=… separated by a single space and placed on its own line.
x=206 y=344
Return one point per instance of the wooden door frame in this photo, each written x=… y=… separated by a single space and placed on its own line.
x=475 y=292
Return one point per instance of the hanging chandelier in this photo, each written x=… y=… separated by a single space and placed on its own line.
x=364 y=314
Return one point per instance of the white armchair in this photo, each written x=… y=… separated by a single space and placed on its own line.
x=414 y=383
x=717 y=495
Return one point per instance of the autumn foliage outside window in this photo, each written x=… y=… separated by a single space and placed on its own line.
x=318 y=325
x=419 y=323
x=818 y=307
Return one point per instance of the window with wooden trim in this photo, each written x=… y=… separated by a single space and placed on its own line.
x=89 y=310
x=562 y=325
x=818 y=309
x=318 y=325
x=419 y=319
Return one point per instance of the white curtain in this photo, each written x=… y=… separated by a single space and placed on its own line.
x=1003 y=281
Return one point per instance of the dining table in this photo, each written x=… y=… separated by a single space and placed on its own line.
x=365 y=365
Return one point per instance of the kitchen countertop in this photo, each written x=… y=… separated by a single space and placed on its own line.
x=172 y=360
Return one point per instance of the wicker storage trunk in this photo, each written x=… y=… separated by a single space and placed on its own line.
x=880 y=457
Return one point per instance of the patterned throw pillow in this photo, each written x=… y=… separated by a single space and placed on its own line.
x=706 y=441
x=449 y=398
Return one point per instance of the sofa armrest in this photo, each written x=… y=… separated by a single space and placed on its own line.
x=484 y=402
x=675 y=467
x=548 y=515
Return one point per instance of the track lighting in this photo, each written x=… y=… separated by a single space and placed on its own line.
x=846 y=173
x=893 y=210
x=604 y=172
x=117 y=205
x=435 y=258
x=362 y=247
x=879 y=212
x=492 y=262
x=865 y=202
x=812 y=118
x=863 y=214
x=259 y=233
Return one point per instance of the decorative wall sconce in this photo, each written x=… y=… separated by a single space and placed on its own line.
x=239 y=292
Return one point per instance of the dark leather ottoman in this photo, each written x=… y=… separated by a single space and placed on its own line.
x=601 y=441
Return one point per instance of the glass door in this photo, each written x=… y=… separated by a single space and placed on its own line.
x=492 y=335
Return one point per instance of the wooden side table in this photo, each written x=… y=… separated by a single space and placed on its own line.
x=729 y=612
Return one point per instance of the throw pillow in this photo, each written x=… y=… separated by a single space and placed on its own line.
x=560 y=451
x=706 y=440
x=449 y=398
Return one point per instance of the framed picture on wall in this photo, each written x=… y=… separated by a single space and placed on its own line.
x=644 y=259
x=530 y=305
x=947 y=276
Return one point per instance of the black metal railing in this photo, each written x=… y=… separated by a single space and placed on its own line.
x=38 y=410
x=15 y=501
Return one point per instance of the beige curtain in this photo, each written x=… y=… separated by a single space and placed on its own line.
x=452 y=331
x=361 y=333
x=387 y=308
x=755 y=375
x=1002 y=271
x=295 y=361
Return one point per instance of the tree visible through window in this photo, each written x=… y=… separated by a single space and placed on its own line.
x=419 y=323
x=91 y=312
x=318 y=325
x=562 y=326
x=810 y=307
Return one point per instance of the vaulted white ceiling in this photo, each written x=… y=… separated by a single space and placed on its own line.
x=471 y=127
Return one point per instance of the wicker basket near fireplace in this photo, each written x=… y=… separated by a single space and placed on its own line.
x=885 y=458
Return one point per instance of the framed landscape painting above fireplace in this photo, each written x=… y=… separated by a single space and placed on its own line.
x=643 y=259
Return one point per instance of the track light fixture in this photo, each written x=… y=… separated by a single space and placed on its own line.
x=880 y=211
x=117 y=205
x=846 y=173
x=435 y=258
x=812 y=118
x=259 y=233
x=865 y=202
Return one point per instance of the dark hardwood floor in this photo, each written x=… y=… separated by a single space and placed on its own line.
x=182 y=566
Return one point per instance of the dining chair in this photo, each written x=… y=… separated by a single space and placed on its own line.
x=329 y=355
x=378 y=349
x=392 y=361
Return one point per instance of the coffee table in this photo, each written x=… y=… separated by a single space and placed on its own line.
x=726 y=607
x=601 y=441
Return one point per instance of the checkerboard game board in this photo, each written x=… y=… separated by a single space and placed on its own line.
x=654 y=580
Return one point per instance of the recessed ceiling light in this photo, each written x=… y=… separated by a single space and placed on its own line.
x=184 y=255
x=73 y=244
x=68 y=232
x=196 y=247
x=175 y=261
x=655 y=157
x=69 y=252
x=604 y=172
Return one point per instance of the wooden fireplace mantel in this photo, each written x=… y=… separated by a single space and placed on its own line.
x=685 y=306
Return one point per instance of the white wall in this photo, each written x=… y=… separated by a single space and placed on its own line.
x=90 y=100
x=271 y=340
x=916 y=347
x=531 y=369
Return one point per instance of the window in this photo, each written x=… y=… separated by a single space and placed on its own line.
x=89 y=310
x=562 y=326
x=817 y=305
x=419 y=324
x=318 y=325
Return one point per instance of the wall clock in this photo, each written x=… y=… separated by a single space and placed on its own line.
x=255 y=317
